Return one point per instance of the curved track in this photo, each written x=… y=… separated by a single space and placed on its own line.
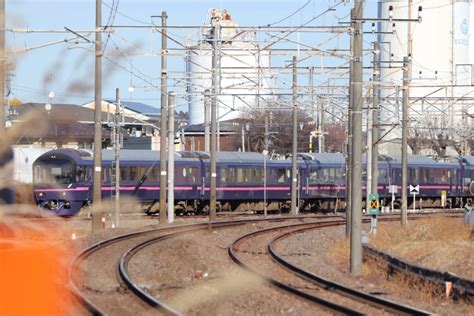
x=372 y=300
x=128 y=244
x=353 y=302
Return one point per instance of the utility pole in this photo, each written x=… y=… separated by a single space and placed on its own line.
x=207 y=101
x=406 y=82
x=164 y=77
x=356 y=190
x=97 y=179
x=243 y=138
x=2 y=73
x=321 y=127
x=215 y=82
x=406 y=93
x=116 y=135
x=311 y=94
x=170 y=157
x=294 y=158
x=349 y=145
x=265 y=153
x=375 y=118
x=371 y=160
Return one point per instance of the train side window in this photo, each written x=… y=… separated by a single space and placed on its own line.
x=412 y=176
x=382 y=176
x=224 y=173
x=257 y=175
x=124 y=173
x=81 y=174
x=141 y=172
x=240 y=175
x=326 y=175
x=133 y=173
x=89 y=174
x=430 y=176
x=151 y=176
x=192 y=175
x=105 y=174
x=313 y=175
x=281 y=175
x=232 y=173
x=445 y=176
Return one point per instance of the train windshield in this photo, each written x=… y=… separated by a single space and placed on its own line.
x=58 y=171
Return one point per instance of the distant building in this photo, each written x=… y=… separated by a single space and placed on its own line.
x=194 y=136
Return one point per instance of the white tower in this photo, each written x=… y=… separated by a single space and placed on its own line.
x=441 y=64
x=246 y=80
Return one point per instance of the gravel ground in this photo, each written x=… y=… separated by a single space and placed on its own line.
x=321 y=252
x=197 y=276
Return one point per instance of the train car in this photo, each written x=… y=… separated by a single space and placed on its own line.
x=62 y=178
x=467 y=179
x=241 y=184
x=433 y=179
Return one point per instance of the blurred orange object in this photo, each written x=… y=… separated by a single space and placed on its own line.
x=33 y=272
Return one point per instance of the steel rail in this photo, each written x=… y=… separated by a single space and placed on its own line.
x=339 y=288
x=134 y=287
x=463 y=288
x=83 y=255
x=81 y=297
x=232 y=250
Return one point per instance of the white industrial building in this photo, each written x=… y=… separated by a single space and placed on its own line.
x=245 y=76
x=442 y=56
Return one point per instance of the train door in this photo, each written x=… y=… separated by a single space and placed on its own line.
x=304 y=179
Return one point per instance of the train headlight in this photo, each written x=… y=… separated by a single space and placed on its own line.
x=40 y=194
x=63 y=193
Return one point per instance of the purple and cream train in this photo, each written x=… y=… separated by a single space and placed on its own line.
x=63 y=180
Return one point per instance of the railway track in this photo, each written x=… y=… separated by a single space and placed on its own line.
x=119 y=250
x=352 y=302
x=373 y=300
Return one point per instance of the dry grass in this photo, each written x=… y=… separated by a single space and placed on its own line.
x=438 y=243
x=434 y=229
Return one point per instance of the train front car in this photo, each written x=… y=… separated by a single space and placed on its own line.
x=61 y=181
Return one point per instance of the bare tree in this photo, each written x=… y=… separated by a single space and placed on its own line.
x=279 y=138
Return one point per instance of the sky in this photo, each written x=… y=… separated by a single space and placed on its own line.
x=45 y=62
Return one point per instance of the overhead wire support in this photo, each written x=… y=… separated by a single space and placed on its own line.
x=356 y=167
x=406 y=83
x=294 y=157
x=77 y=34
x=97 y=177
x=171 y=151
x=116 y=145
x=375 y=117
x=163 y=125
x=215 y=88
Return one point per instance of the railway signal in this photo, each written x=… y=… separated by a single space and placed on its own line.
x=414 y=190
x=374 y=206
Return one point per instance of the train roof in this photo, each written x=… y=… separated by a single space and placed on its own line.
x=325 y=158
x=108 y=155
x=421 y=161
x=136 y=155
x=468 y=160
